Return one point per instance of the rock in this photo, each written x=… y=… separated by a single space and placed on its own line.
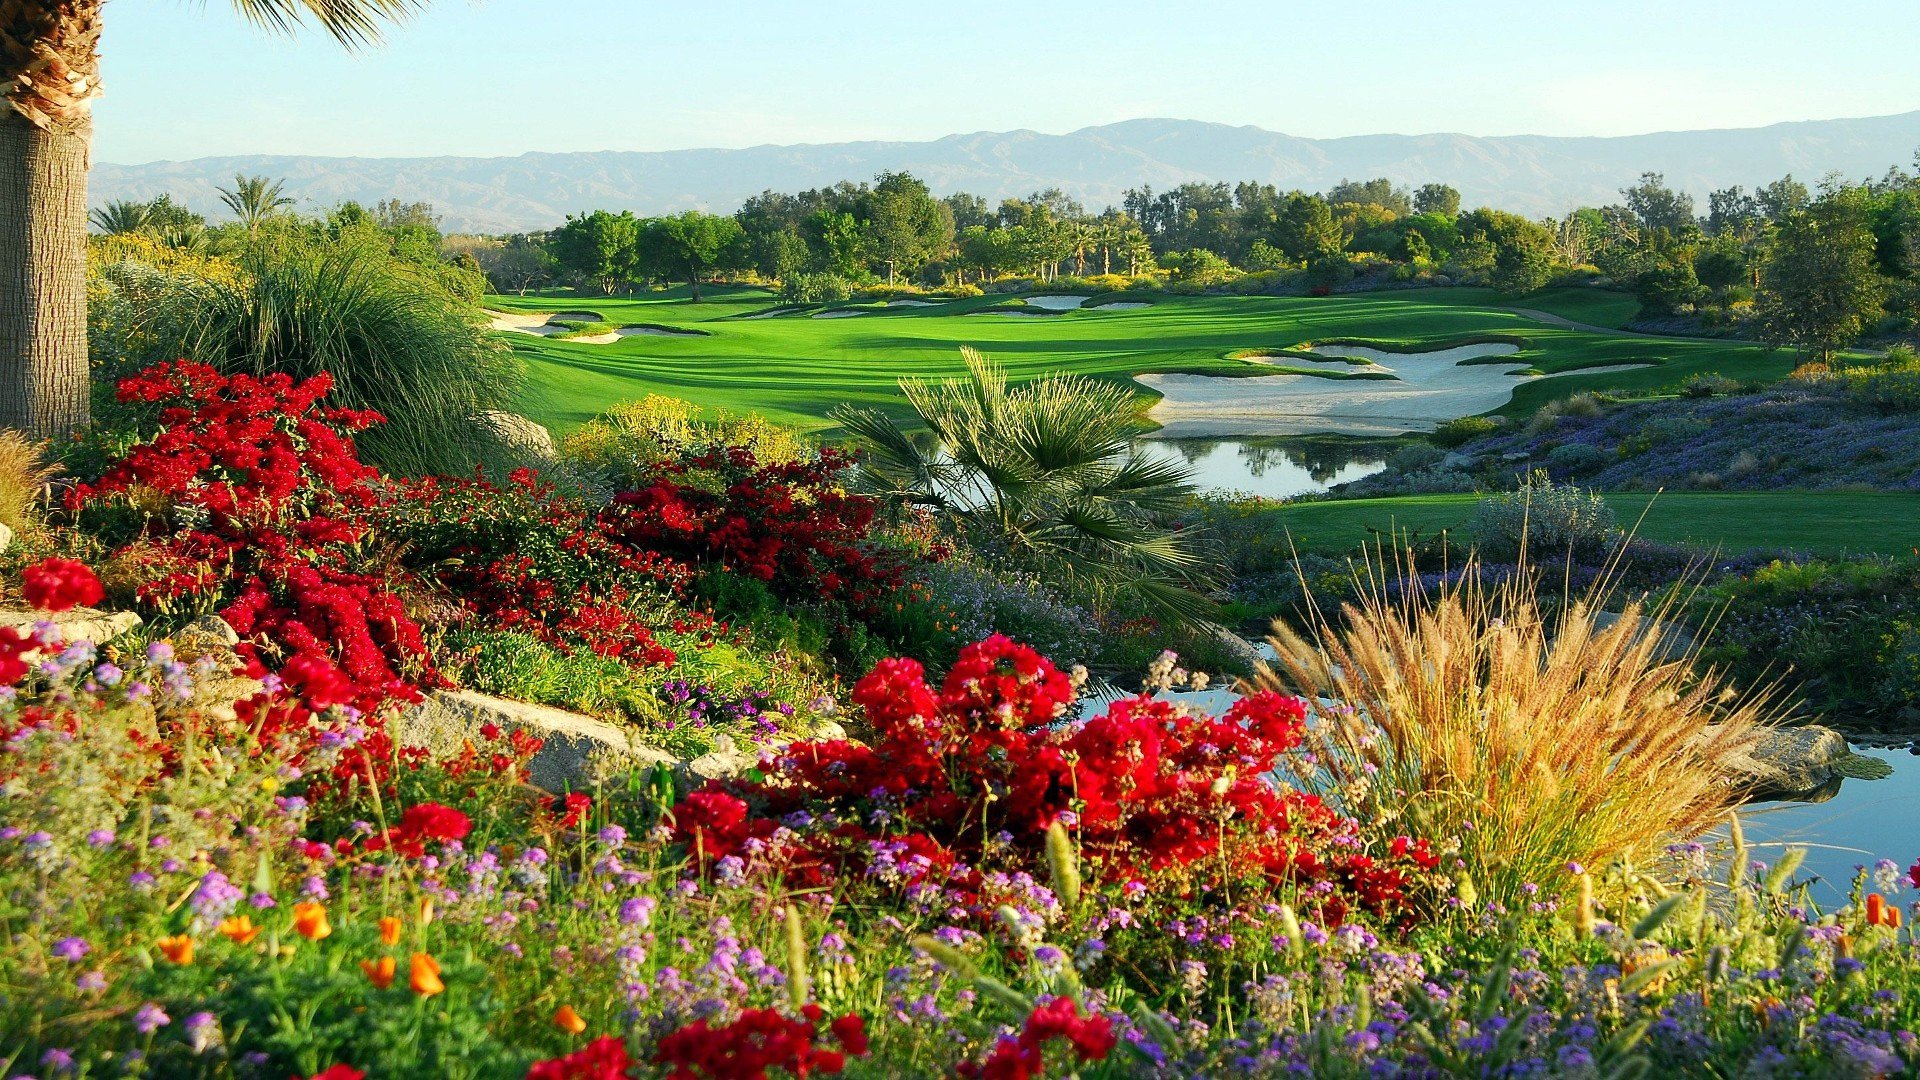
x=575 y=751
x=521 y=434
x=208 y=635
x=1795 y=760
x=726 y=759
x=75 y=624
x=6 y=536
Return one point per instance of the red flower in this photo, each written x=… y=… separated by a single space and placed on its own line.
x=761 y=1039
x=13 y=646
x=605 y=1058
x=1019 y=1057
x=57 y=584
x=421 y=823
x=338 y=1072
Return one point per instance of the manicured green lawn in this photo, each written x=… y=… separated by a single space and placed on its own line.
x=1599 y=307
x=1821 y=522
x=795 y=368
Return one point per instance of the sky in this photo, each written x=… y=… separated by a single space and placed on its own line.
x=189 y=78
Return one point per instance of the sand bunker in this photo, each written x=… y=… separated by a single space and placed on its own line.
x=517 y=323
x=771 y=312
x=915 y=303
x=1056 y=303
x=1427 y=390
x=1014 y=311
x=839 y=313
x=656 y=331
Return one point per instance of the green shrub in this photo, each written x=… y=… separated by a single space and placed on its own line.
x=803 y=287
x=1545 y=519
x=1464 y=430
x=1575 y=459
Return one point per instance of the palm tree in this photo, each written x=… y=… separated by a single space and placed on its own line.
x=49 y=75
x=1045 y=475
x=254 y=199
x=121 y=216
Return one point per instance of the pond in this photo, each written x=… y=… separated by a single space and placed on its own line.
x=1854 y=823
x=1272 y=468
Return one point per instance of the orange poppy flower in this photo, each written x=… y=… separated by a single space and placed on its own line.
x=240 y=929
x=177 y=948
x=423 y=975
x=1881 y=913
x=389 y=930
x=569 y=1021
x=310 y=920
x=379 y=972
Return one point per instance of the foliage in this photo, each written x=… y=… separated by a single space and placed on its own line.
x=632 y=439
x=388 y=334
x=1544 y=518
x=1046 y=473
x=25 y=477
x=1818 y=290
x=1463 y=430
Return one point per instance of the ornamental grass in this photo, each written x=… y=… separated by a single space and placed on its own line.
x=1531 y=734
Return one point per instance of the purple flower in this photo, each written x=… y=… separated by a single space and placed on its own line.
x=202 y=1031
x=91 y=980
x=57 y=1060
x=100 y=838
x=71 y=949
x=150 y=1018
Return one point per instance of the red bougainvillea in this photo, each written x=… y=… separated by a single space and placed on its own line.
x=1021 y=1056
x=250 y=499
x=761 y=1039
x=60 y=584
x=1144 y=786
x=790 y=524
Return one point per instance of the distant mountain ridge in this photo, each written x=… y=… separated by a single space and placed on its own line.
x=1530 y=174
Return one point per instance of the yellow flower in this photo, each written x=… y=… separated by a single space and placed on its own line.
x=379 y=972
x=426 y=910
x=177 y=948
x=240 y=929
x=310 y=920
x=569 y=1021
x=389 y=930
x=423 y=974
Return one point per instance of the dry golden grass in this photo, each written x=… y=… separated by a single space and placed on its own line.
x=1533 y=739
x=24 y=476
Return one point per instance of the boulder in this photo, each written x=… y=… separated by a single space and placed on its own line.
x=75 y=624
x=1244 y=656
x=726 y=759
x=522 y=434
x=1788 y=761
x=576 y=750
x=210 y=645
x=1676 y=641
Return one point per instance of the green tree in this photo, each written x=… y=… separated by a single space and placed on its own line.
x=905 y=226
x=1376 y=192
x=692 y=245
x=1441 y=199
x=1305 y=227
x=121 y=216
x=1669 y=285
x=1521 y=251
x=255 y=199
x=1819 y=289
x=517 y=265
x=1657 y=205
x=600 y=247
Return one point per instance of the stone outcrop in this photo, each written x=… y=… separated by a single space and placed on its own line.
x=1798 y=760
x=76 y=624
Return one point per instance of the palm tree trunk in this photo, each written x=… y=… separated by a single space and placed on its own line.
x=43 y=278
x=50 y=72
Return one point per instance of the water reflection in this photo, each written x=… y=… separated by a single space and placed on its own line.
x=1273 y=468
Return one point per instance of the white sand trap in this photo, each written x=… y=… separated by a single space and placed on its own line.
x=770 y=313
x=655 y=331
x=839 y=313
x=1056 y=303
x=595 y=339
x=1427 y=390
x=1124 y=305
x=515 y=322
x=1020 y=314
x=915 y=303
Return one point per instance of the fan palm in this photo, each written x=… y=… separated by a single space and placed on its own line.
x=1045 y=473
x=254 y=199
x=121 y=216
x=49 y=76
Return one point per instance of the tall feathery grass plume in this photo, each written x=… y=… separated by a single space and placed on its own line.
x=1530 y=735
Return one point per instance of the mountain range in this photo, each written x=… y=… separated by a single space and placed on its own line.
x=1530 y=174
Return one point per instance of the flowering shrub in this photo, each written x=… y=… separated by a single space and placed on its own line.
x=759 y=1040
x=249 y=499
x=789 y=524
x=1147 y=789
x=59 y=584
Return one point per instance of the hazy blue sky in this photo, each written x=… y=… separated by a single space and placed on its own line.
x=488 y=77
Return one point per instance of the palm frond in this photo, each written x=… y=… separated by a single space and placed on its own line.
x=353 y=23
